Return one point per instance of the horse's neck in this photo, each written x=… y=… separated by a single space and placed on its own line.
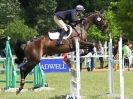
x=79 y=32
x=82 y=28
x=88 y=22
x=79 y=28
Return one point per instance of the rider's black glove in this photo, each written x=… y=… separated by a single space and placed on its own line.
x=82 y=19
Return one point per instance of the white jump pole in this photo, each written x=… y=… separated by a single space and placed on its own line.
x=121 y=70
x=75 y=76
x=110 y=68
x=78 y=68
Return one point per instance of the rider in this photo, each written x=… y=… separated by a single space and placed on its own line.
x=71 y=16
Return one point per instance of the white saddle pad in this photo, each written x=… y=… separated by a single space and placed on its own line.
x=55 y=35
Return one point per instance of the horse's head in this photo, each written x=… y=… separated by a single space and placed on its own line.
x=98 y=19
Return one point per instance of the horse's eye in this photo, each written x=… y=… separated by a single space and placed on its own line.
x=98 y=19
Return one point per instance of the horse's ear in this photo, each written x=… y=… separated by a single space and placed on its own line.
x=96 y=11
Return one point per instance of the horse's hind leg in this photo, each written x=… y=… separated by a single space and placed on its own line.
x=24 y=72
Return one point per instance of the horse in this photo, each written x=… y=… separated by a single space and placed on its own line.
x=33 y=51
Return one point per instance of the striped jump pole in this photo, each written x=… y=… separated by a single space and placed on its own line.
x=10 y=68
x=39 y=77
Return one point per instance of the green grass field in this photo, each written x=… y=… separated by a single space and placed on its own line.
x=94 y=85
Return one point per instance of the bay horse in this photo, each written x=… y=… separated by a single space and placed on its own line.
x=43 y=45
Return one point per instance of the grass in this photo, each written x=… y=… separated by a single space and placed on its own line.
x=94 y=85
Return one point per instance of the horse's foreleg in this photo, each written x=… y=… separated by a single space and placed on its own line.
x=68 y=62
x=24 y=72
x=86 y=45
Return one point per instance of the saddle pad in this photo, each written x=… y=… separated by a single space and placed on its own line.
x=55 y=35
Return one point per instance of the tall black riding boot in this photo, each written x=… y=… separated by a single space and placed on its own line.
x=60 y=41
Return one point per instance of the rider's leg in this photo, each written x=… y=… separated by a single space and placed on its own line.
x=62 y=25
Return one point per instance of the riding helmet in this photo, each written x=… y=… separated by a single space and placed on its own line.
x=80 y=8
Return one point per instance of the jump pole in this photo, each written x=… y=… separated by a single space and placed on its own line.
x=75 y=76
x=110 y=69
x=10 y=68
x=121 y=70
x=78 y=68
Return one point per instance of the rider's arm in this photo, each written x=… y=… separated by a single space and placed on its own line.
x=74 y=17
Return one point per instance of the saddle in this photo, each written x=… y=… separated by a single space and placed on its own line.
x=55 y=34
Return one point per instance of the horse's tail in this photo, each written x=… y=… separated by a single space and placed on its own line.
x=19 y=51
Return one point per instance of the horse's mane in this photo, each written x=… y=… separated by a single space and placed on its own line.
x=91 y=13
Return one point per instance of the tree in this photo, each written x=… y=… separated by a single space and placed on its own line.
x=17 y=30
x=125 y=17
x=39 y=14
x=94 y=34
x=64 y=4
x=113 y=25
x=9 y=10
x=90 y=5
x=45 y=15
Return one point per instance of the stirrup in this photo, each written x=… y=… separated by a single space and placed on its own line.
x=59 y=42
x=67 y=32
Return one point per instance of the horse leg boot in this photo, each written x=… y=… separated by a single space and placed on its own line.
x=23 y=74
x=22 y=81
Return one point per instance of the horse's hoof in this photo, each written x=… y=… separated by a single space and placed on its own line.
x=88 y=69
x=18 y=91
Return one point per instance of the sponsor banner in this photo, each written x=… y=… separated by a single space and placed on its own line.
x=53 y=65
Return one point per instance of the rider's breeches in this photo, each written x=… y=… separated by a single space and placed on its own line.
x=60 y=23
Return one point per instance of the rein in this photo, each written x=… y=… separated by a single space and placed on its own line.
x=81 y=30
x=79 y=35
